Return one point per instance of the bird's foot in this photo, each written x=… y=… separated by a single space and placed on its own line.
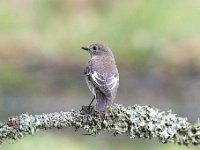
x=87 y=110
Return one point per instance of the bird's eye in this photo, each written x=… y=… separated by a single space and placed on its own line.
x=94 y=48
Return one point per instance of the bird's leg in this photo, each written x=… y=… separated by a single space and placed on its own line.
x=88 y=110
x=91 y=101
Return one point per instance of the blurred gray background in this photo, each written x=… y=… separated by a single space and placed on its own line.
x=156 y=45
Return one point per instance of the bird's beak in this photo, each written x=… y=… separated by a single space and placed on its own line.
x=85 y=48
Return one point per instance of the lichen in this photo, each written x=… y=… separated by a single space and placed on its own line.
x=137 y=121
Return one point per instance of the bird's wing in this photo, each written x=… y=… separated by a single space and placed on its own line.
x=106 y=82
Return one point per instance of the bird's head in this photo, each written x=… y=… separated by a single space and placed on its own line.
x=98 y=50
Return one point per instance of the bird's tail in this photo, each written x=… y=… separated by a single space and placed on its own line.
x=103 y=101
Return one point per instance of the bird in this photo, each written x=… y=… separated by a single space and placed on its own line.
x=101 y=75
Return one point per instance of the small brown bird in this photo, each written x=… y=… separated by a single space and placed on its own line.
x=101 y=75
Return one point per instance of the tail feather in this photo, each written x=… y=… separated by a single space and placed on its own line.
x=103 y=101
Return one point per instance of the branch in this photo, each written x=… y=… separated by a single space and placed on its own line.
x=137 y=121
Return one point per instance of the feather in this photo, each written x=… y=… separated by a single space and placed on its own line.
x=103 y=102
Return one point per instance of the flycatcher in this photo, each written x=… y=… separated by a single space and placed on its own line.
x=101 y=75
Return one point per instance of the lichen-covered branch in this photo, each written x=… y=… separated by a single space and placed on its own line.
x=136 y=121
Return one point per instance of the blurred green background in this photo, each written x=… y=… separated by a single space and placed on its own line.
x=156 y=45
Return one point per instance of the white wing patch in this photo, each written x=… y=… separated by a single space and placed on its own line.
x=109 y=82
x=112 y=82
x=98 y=78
